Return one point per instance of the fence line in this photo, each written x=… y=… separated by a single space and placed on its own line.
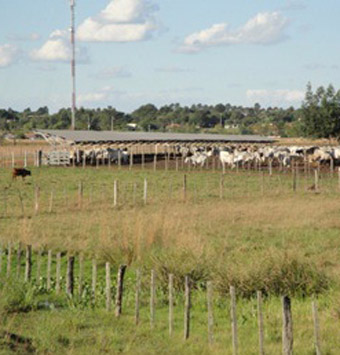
x=71 y=260
x=147 y=191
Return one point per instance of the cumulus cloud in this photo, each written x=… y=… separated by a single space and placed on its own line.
x=275 y=97
x=114 y=72
x=8 y=55
x=24 y=38
x=58 y=49
x=265 y=28
x=120 y=21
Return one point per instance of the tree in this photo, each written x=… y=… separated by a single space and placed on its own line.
x=320 y=112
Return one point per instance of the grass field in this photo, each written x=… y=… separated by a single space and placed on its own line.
x=254 y=232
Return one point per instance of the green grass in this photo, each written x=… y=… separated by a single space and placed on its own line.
x=259 y=235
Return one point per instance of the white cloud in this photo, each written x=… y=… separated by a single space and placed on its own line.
x=295 y=5
x=92 y=97
x=265 y=28
x=114 y=72
x=29 y=37
x=58 y=49
x=275 y=97
x=8 y=55
x=120 y=21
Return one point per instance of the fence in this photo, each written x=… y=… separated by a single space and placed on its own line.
x=164 y=161
x=53 y=195
x=78 y=286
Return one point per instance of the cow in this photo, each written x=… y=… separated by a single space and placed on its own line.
x=20 y=172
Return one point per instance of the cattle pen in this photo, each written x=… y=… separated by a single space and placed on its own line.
x=92 y=147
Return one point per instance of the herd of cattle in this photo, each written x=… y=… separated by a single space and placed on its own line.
x=230 y=155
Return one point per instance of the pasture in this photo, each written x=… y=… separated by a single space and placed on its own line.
x=245 y=228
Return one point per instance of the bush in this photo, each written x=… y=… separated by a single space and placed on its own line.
x=16 y=297
x=180 y=264
x=274 y=274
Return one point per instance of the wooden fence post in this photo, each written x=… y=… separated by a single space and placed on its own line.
x=49 y=266
x=287 y=327
x=19 y=252
x=70 y=276
x=260 y=322
x=115 y=193
x=9 y=260
x=108 y=286
x=94 y=279
x=120 y=288
x=138 y=289
x=233 y=319
x=316 y=328
x=131 y=159
x=28 y=264
x=222 y=187
x=36 y=199
x=38 y=266
x=81 y=274
x=210 y=312
x=152 y=298
x=145 y=191
x=155 y=162
x=270 y=167
x=187 y=307
x=134 y=193
x=50 y=209
x=80 y=194
x=294 y=179
x=58 y=273
x=331 y=167
x=316 y=180
x=171 y=304
x=184 y=187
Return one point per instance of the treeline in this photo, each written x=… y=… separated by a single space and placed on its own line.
x=319 y=116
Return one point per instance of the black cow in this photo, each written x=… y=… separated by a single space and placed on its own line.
x=20 y=172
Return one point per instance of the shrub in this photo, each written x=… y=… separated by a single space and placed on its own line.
x=273 y=274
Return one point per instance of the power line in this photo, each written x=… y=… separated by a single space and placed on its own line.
x=73 y=66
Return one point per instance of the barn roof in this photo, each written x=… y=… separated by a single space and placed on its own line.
x=145 y=137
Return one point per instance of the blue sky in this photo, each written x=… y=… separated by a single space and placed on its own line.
x=133 y=52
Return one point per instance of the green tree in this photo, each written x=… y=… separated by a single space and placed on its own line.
x=320 y=112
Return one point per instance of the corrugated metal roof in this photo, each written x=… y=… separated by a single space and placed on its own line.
x=116 y=136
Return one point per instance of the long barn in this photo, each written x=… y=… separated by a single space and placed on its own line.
x=67 y=137
x=142 y=143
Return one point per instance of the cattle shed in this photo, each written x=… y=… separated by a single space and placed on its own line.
x=127 y=139
x=139 y=145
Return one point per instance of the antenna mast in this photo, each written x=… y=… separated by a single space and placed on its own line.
x=73 y=67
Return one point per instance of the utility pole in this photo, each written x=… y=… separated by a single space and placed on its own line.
x=111 y=123
x=73 y=67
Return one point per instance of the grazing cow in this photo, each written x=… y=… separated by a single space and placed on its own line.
x=198 y=158
x=114 y=154
x=20 y=172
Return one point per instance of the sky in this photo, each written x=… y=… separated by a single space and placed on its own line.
x=134 y=52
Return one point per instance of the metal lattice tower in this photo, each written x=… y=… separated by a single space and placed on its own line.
x=73 y=66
